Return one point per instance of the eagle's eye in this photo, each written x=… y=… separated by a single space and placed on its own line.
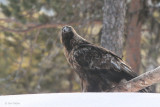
x=66 y=29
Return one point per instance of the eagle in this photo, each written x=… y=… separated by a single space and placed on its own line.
x=99 y=69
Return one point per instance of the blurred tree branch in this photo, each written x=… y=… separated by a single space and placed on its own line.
x=31 y=27
x=144 y=80
x=10 y=21
x=28 y=29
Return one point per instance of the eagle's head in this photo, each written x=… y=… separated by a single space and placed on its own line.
x=67 y=29
x=70 y=38
x=67 y=33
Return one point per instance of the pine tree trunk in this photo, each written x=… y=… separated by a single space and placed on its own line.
x=113 y=25
x=134 y=36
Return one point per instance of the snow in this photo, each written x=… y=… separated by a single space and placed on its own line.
x=82 y=100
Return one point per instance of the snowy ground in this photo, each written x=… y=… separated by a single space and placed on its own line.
x=82 y=100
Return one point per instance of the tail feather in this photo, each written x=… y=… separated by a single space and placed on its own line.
x=146 y=90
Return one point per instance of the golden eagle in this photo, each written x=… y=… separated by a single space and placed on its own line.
x=99 y=69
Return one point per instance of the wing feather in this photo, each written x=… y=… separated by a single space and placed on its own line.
x=96 y=58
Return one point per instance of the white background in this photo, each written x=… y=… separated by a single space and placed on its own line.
x=82 y=100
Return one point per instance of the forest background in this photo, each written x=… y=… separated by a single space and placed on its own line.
x=31 y=55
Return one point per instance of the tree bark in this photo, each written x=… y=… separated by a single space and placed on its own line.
x=140 y=82
x=133 y=41
x=113 y=25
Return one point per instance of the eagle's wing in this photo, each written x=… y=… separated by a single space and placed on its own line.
x=94 y=58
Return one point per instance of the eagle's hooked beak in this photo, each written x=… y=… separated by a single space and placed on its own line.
x=66 y=29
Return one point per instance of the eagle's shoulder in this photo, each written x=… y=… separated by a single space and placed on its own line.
x=93 y=50
x=93 y=57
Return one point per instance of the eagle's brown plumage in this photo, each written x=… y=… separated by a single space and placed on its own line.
x=99 y=69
